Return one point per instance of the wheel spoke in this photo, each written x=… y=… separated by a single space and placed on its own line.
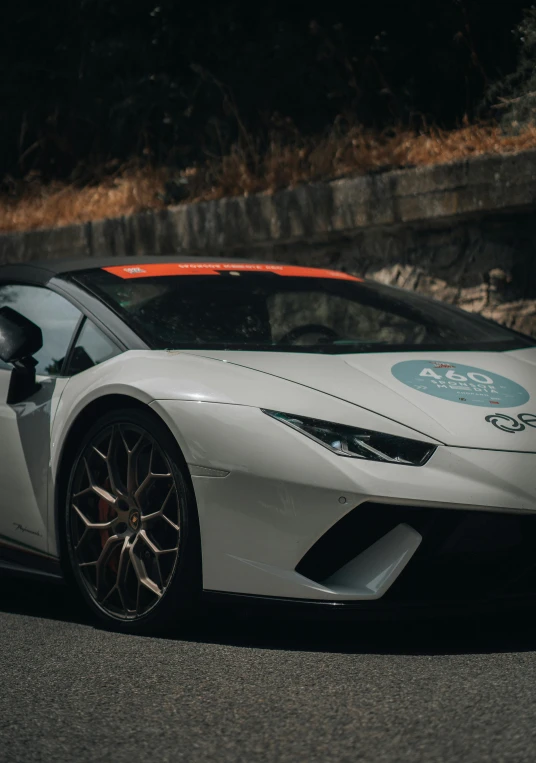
x=111 y=463
x=142 y=535
x=121 y=434
x=151 y=456
x=99 y=453
x=104 y=558
x=170 y=523
x=89 y=473
x=83 y=492
x=142 y=487
x=100 y=491
x=160 y=513
x=93 y=525
x=105 y=495
x=89 y=526
x=122 y=571
x=112 y=590
x=123 y=558
x=141 y=573
x=132 y=462
x=147 y=481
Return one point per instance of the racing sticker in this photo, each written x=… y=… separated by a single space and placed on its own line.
x=460 y=384
x=510 y=424
x=217 y=268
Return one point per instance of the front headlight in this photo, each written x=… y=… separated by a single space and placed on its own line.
x=359 y=443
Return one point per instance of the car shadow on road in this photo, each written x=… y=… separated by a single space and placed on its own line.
x=235 y=627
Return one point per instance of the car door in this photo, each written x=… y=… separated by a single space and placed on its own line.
x=25 y=427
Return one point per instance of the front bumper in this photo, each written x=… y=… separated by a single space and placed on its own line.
x=283 y=517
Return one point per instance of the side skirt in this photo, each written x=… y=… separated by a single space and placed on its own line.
x=26 y=562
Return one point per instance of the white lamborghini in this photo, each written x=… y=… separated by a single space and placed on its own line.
x=171 y=429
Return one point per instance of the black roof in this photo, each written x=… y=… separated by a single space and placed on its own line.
x=41 y=271
x=59 y=266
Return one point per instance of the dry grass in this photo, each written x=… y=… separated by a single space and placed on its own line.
x=35 y=205
x=354 y=152
x=244 y=170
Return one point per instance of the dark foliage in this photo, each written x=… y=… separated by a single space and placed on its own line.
x=89 y=82
x=514 y=96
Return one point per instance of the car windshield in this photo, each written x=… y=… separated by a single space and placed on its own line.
x=284 y=309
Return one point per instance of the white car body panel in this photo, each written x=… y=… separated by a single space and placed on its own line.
x=282 y=492
x=266 y=493
x=366 y=380
x=24 y=463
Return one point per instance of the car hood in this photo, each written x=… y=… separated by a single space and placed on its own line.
x=468 y=399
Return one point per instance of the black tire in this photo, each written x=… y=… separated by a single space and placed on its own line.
x=158 y=564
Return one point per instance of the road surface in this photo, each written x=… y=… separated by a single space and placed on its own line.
x=252 y=690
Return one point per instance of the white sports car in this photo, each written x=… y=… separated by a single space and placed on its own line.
x=246 y=429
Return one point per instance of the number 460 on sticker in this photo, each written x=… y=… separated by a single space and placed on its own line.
x=453 y=376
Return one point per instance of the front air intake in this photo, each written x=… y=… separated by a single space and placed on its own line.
x=463 y=554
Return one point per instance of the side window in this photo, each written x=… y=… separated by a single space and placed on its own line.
x=54 y=315
x=92 y=347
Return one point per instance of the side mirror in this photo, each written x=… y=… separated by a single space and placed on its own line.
x=20 y=339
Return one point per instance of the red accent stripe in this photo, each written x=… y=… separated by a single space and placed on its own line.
x=214 y=269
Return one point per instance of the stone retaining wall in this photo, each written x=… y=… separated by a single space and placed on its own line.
x=463 y=232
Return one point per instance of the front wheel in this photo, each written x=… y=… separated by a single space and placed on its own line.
x=131 y=525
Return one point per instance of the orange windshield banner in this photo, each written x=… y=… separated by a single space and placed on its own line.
x=217 y=268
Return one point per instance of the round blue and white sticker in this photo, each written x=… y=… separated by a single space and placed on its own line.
x=460 y=384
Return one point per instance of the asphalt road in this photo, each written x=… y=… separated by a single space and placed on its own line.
x=251 y=690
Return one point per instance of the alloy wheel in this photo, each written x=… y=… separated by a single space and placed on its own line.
x=125 y=521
